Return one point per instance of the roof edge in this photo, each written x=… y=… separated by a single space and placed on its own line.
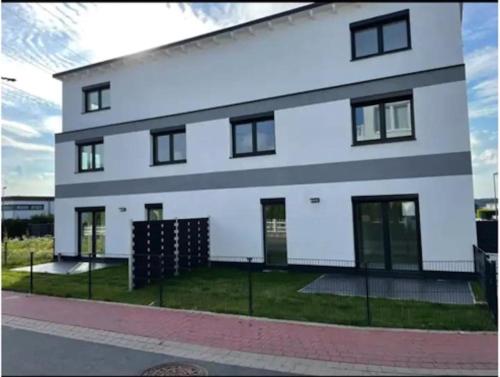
x=195 y=38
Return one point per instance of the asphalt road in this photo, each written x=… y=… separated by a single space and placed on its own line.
x=30 y=353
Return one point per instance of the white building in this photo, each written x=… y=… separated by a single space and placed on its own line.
x=352 y=116
x=24 y=207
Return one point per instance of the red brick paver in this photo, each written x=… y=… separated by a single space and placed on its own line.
x=400 y=348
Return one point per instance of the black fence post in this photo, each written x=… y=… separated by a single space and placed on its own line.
x=162 y=269
x=90 y=277
x=250 y=298
x=5 y=252
x=367 y=288
x=31 y=272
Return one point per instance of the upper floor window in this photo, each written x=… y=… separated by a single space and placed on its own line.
x=90 y=156
x=169 y=147
x=383 y=120
x=253 y=136
x=96 y=97
x=381 y=35
x=154 y=212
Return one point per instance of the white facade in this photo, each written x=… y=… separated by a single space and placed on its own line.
x=26 y=207
x=304 y=51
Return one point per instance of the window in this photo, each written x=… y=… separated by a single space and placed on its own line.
x=253 y=137
x=154 y=212
x=387 y=232
x=383 y=120
x=381 y=35
x=90 y=156
x=96 y=97
x=169 y=147
x=22 y=207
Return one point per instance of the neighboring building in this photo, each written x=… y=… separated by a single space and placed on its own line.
x=351 y=116
x=24 y=207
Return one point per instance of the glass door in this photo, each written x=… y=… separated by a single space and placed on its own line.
x=91 y=231
x=387 y=232
x=370 y=235
x=274 y=218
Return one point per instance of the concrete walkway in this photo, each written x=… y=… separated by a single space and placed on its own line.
x=242 y=339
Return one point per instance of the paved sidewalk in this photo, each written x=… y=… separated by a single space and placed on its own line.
x=374 y=347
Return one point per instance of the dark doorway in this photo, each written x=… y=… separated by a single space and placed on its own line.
x=387 y=232
x=274 y=225
x=91 y=231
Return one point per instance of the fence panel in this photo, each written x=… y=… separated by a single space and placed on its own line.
x=486 y=270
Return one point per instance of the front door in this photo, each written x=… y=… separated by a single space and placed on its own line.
x=274 y=218
x=387 y=232
x=91 y=231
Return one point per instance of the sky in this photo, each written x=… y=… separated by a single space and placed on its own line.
x=39 y=39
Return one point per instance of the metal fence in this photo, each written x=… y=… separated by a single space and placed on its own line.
x=333 y=291
x=487 y=274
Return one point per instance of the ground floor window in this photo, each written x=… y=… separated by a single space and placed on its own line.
x=91 y=231
x=387 y=232
x=154 y=212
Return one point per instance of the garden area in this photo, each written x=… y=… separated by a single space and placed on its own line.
x=275 y=294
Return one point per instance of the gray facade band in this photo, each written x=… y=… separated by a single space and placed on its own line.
x=354 y=90
x=433 y=165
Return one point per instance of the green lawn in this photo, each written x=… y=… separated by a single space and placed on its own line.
x=16 y=252
x=225 y=289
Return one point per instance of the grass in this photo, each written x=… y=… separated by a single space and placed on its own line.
x=17 y=252
x=478 y=291
x=225 y=290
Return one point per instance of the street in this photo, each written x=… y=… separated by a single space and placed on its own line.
x=30 y=353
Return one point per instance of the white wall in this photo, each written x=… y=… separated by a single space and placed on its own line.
x=304 y=135
x=310 y=54
x=319 y=231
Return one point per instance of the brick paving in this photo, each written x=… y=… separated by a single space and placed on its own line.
x=374 y=347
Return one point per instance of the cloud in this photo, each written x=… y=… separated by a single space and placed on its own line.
x=481 y=63
x=484 y=99
x=487 y=157
x=52 y=124
x=32 y=147
x=19 y=129
x=30 y=80
x=481 y=67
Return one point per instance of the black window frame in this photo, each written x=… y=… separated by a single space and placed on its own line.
x=381 y=101
x=253 y=120
x=170 y=133
x=378 y=23
x=91 y=89
x=387 y=251
x=86 y=144
x=152 y=206
x=92 y=210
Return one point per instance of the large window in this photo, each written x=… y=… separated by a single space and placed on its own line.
x=154 y=212
x=96 y=97
x=169 y=147
x=90 y=156
x=381 y=35
x=252 y=137
x=383 y=120
x=387 y=232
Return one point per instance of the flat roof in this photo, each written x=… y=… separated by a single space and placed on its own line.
x=196 y=38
